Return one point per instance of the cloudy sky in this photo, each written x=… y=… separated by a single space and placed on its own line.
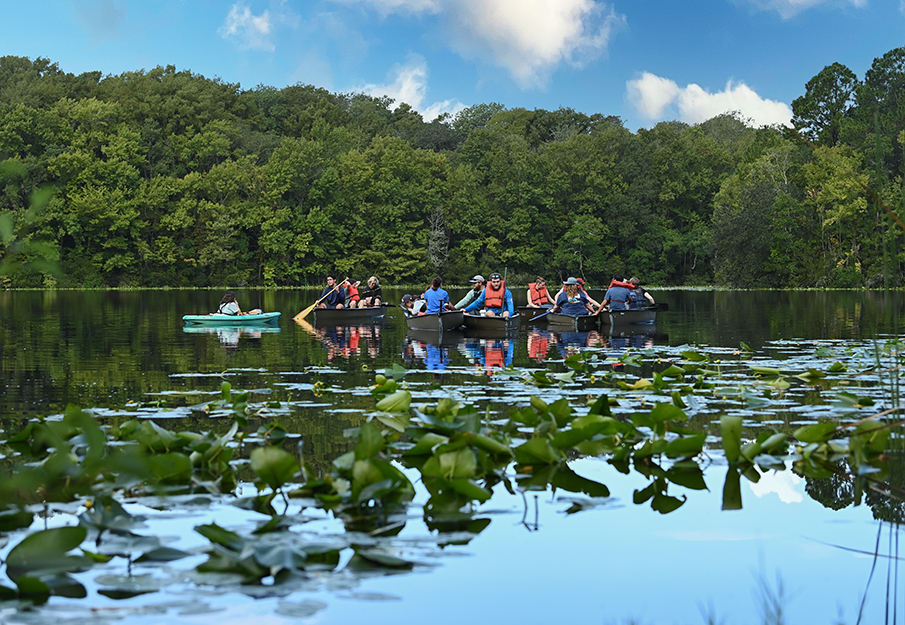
x=643 y=60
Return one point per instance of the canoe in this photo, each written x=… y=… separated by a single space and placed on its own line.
x=436 y=322
x=490 y=327
x=450 y=338
x=609 y=319
x=526 y=313
x=348 y=316
x=560 y=322
x=231 y=320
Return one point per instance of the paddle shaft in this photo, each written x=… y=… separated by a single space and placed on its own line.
x=308 y=310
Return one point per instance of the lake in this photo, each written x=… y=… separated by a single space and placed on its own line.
x=798 y=551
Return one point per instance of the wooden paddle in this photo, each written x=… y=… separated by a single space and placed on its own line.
x=308 y=310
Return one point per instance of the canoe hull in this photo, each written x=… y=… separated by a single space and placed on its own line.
x=627 y=317
x=436 y=322
x=490 y=327
x=583 y=323
x=231 y=320
x=348 y=316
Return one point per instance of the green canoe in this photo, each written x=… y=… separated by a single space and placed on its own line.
x=231 y=320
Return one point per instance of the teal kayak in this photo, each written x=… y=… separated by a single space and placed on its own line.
x=231 y=320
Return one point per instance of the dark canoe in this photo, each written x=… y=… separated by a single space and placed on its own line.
x=527 y=312
x=449 y=338
x=490 y=327
x=583 y=323
x=436 y=322
x=348 y=316
x=609 y=319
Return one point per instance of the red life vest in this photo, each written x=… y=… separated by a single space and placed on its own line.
x=627 y=285
x=353 y=293
x=494 y=358
x=538 y=298
x=537 y=347
x=494 y=299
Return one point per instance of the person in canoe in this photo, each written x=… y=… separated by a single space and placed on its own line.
x=334 y=296
x=572 y=300
x=582 y=287
x=477 y=285
x=229 y=305
x=639 y=297
x=617 y=296
x=352 y=296
x=412 y=306
x=437 y=299
x=495 y=299
x=372 y=294
x=538 y=296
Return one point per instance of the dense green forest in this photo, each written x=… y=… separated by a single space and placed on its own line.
x=168 y=178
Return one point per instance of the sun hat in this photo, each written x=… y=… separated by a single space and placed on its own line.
x=571 y=280
x=478 y=278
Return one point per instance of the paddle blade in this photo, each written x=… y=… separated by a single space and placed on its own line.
x=307 y=327
x=304 y=313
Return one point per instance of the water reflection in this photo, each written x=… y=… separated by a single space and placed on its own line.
x=345 y=341
x=432 y=349
x=489 y=354
x=229 y=336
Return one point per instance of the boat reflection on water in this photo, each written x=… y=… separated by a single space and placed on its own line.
x=430 y=348
x=347 y=341
x=491 y=355
x=541 y=341
x=229 y=336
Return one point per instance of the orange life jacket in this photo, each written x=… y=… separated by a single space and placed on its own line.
x=627 y=285
x=538 y=298
x=537 y=347
x=353 y=293
x=495 y=299
x=494 y=358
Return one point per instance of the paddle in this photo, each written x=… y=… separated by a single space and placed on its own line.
x=308 y=310
x=541 y=315
x=658 y=307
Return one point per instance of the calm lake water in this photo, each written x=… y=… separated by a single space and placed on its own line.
x=615 y=562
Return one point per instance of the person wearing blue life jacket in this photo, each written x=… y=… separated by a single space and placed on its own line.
x=617 y=297
x=437 y=299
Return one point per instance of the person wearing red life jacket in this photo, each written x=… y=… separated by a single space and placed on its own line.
x=496 y=300
x=352 y=296
x=538 y=296
x=617 y=297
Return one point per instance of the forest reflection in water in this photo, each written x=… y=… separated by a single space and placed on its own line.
x=611 y=559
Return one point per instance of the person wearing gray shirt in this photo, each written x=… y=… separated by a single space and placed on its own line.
x=477 y=286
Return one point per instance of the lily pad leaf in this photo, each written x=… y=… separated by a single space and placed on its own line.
x=274 y=466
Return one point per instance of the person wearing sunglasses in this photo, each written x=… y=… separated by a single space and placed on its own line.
x=495 y=299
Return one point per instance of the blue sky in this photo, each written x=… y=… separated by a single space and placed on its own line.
x=643 y=60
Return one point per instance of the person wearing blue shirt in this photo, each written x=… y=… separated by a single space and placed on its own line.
x=618 y=297
x=333 y=296
x=496 y=299
x=572 y=301
x=437 y=299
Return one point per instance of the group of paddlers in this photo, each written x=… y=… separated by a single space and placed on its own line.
x=495 y=300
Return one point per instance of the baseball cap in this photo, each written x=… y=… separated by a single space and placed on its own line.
x=406 y=298
x=478 y=278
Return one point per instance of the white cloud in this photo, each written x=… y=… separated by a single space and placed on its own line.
x=656 y=98
x=254 y=32
x=408 y=84
x=527 y=38
x=783 y=483
x=790 y=8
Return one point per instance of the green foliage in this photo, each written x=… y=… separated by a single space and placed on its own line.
x=167 y=178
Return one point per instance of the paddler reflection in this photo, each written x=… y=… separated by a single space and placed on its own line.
x=489 y=354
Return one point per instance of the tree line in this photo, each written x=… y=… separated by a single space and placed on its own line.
x=168 y=178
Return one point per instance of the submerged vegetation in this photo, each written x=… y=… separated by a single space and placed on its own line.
x=167 y=178
x=670 y=415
